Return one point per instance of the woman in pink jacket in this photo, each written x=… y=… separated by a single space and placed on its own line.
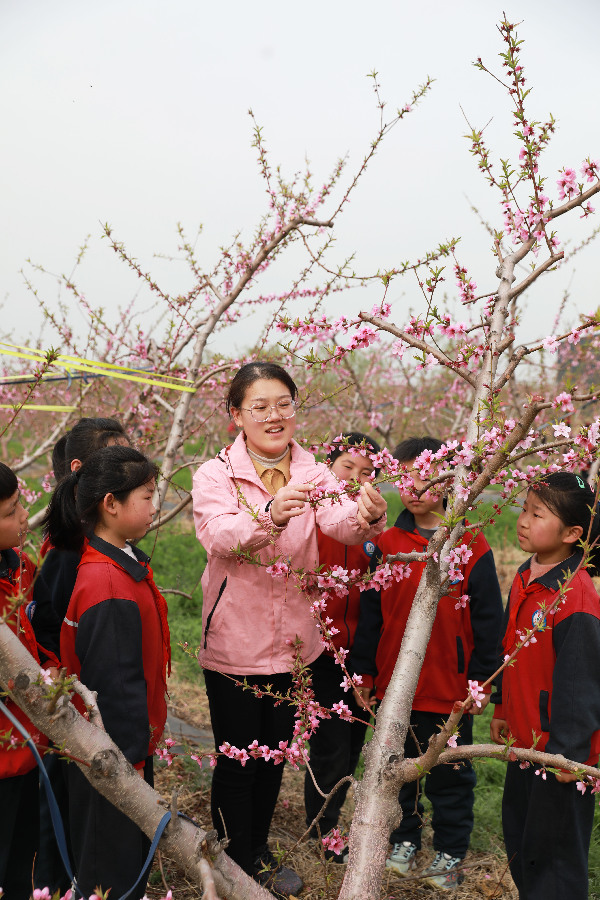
x=253 y=498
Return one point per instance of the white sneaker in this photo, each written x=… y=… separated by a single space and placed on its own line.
x=402 y=857
x=443 y=873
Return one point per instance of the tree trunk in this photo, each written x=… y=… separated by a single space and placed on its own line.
x=114 y=777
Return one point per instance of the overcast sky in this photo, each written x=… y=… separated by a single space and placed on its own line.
x=134 y=112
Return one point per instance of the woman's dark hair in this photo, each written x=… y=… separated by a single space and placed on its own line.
x=251 y=372
x=8 y=482
x=571 y=498
x=73 y=509
x=412 y=447
x=84 y=437
x=353 y=439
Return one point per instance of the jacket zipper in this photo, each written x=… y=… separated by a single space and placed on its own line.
x=211 y=613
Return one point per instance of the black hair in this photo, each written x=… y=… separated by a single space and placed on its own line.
x=353 y=439
x=87 y=435
x=251 y=372
x=412 y=447
x=571 y=498
x=8 y=482
x=73 y=509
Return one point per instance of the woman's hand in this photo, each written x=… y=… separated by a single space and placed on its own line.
x=371 y=506
x=289 y=501
x=499 y=731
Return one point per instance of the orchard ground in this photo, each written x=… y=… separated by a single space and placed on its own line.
x=178 y=562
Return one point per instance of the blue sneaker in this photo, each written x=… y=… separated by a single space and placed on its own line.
x=444 y=872
x=402 y=857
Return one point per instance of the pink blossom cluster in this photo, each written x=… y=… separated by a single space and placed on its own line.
x=30 y=496
x=476 y=693
x=565 y=401
x=45 y=894
x=164 y=753
x=589 y=169
x=593 y=783
x=567 y=183
x=334 y=841
x=466 y=285
x=458 y=556
x=212 y=759
x=453 y=329
x=462 y=602
x=384 y=576
x=418 y=328
x=524 y=224
x=278 y=570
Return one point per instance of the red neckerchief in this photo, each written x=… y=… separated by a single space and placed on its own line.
x=90 y=554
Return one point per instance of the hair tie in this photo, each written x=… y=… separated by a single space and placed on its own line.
x=76 y=474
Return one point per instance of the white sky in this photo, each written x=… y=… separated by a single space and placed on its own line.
x=135 y=112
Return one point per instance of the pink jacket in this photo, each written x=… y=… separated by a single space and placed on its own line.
x=249 y=617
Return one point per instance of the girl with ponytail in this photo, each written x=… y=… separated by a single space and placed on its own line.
x=51 y=594
x=115 y=639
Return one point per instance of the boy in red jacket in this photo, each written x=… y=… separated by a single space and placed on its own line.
x=19 y=816
x=462 y=647
x=335 y=746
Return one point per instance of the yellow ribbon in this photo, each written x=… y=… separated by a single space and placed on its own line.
x=111 y=370
x=39 y=406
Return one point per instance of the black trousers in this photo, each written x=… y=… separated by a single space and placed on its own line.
x=243 y=798
x=547 y=829
x=49 y=870
x=19 y=833
x=449 y=789
x=109 y=850
x=334 y=747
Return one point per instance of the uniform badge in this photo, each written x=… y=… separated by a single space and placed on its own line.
x=369 y=548
x=538 y=620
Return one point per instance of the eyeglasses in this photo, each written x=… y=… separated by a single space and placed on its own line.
x=260 y=412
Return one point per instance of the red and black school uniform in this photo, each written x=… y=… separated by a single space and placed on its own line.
x=462 y=647
x=335 y=746
x=115 y=638
x=51 y=595
x=550 y=699
x=19 y=806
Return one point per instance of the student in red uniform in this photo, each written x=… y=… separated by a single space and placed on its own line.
x=115 y=639
x=19 y=808
x=335 y=746
x=462 y=647
x=53 y=587
x=51 y=594
x=550 y=695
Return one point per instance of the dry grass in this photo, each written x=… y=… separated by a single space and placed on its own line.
x=486 y=876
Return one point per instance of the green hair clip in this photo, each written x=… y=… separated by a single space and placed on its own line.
x=580 y=482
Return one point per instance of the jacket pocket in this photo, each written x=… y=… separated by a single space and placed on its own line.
x=460 y=654
x=544 y=718
x=212 y=612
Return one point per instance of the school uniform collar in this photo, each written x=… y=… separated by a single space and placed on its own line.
x=9 y=562
x=138 y=570
x=406 y=522
x=556 y=576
